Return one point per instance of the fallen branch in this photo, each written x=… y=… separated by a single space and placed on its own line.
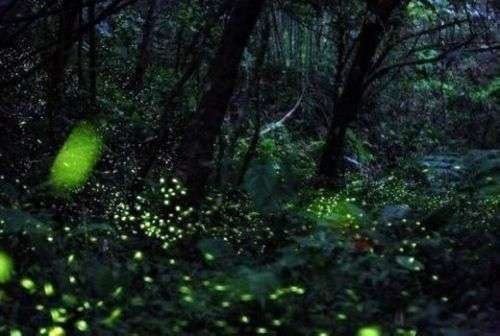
x=281 y=122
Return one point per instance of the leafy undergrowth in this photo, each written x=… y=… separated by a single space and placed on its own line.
x=385 y=257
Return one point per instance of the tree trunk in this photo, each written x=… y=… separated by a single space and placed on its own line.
x=196 y=151
x=256 y=78
x=79 y=61
x=330 y=167
x=150 y=153
x=92 y=62
x=56 y=64
x=137 y=80
x=179 y=62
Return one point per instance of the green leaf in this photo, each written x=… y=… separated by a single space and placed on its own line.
x=17 y=221
x=269 y=184
x=358 y=146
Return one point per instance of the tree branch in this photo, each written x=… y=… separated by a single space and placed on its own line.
x=383 y=71
x=280 y=122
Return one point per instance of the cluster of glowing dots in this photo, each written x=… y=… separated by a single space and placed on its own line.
x=338 y=209
x=229 y=228
x=280 y=292
x=167 y=227
x=60 y=315
x=35 y=225
x=187 y=296
x=394 y=190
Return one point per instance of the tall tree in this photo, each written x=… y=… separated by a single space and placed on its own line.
x=149 y=153
x=137 y=80
x=92 y=60
x=196 y=151
x=256 y=93
x=346 y=109
x=57 y=59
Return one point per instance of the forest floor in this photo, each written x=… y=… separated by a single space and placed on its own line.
x=389 y=256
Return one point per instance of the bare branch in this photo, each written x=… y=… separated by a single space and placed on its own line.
x=115 y=6
x=383 y=71
x=282 y=121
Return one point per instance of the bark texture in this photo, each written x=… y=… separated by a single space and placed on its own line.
x=331 y=167
x=196 y=151
x=137 y=80
x=57 y=61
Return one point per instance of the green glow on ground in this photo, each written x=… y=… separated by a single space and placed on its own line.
x=75 y=161
x=336 y=212
x=369 y=331
x=6 y=268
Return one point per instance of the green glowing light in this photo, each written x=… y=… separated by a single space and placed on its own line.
x=59 y=315
x=70 y=300
x=369 y=331
x=16 y=332
x=6 y=267
x=246 y=297
x=28 y=284
x=113 y=317
x=138 y=255
x=117 y=292
x=82 y=325
x=48 y=289
x=185 y=290
x=336 y=212
x=56 y=331
x=188 y=299
x=403 y=332
x=220 y=323
x=75 y=161
x=209 y=257
x=341 y=316
x=220 y=288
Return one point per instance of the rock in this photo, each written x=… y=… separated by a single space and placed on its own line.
x=394 y=212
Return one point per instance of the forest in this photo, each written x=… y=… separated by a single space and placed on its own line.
x=250 y=167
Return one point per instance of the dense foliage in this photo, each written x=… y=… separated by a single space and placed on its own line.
x=249 y=167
